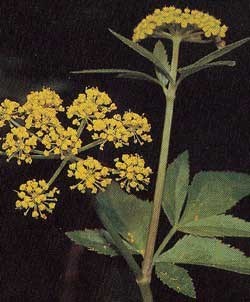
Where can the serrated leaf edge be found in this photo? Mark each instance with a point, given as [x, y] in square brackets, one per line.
[179, 292]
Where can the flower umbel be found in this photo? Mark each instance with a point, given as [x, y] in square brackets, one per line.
[138, 126]
[8, 111]
[120, 129]
[110, 130]
[41, 109]
[91, 173]
[19, 143]
[172, 20]
[131, 172]
[60, 141]
[34, 196]
[93, 104]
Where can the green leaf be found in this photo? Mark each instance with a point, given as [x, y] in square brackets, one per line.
[176, 186]
[129, 215]
[122, 73]
[160, 53]
[94, 240]
[138, 76]
[176, 278]
[207, 252]
[217, 226]
[213, 193]
[97, 240]
[145, 53]
[102, 70]
[193, 69]
[217, 53]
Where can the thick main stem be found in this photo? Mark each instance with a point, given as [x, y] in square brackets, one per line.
[145, 290]
[153, 228]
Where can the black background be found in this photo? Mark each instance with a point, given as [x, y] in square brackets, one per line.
[40, 42]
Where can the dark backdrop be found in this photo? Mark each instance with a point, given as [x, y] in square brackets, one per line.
[40, 42]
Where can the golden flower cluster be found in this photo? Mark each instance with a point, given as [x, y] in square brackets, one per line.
[60, 141]
[120, 129]
[36, 132]
[19, 143]
[93, 104]
[41, 108]
[131, 172]
[138, 126]
[8, 110]
[174, 19]
[34, 196]
[91, 175]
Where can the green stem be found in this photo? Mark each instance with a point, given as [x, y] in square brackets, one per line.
[145, 290]
[91, 145]
[81, 127]
[16, 124]
[58, 171]
[165, 242]
[37, 156]
[160, 181]
[38, 152]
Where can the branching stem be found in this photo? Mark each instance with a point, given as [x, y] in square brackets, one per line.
[165, 242]
[160, 181]
[58, 171]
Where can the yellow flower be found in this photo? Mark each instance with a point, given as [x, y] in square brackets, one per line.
[61, 141]
[120, 129]
[131, 172]
[19, 143]
[174, 20]
[91, 173]
[110, 130]
[138, 126]
[93, 104]
[34, 196]
[41, 109]
[8, 111]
